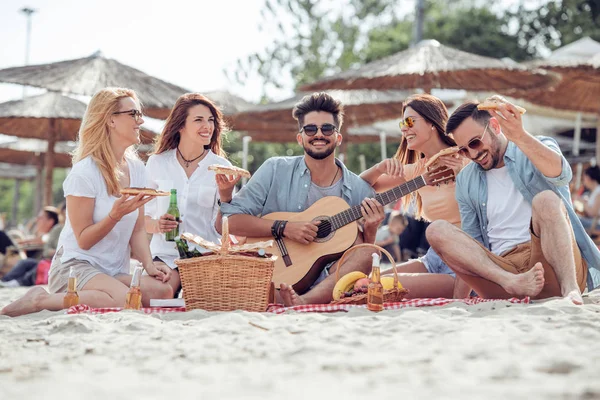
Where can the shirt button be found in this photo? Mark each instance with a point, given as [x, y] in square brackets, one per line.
[483, 204]
[305, 185]
[299, 207]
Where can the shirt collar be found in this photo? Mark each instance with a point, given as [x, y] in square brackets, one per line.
[345, 173]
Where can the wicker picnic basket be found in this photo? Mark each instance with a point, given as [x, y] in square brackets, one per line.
[224, 280]
[389, 296]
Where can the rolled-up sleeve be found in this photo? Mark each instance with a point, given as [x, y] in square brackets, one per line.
[470, 223]
[251, 198]
[566, 174]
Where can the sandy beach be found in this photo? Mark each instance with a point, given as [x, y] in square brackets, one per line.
[546, 350]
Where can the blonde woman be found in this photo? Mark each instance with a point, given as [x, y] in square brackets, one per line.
[102, 228]
[188, 144]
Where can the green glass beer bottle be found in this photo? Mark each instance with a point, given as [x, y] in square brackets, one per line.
[174, 211]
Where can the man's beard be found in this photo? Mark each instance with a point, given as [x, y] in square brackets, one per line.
[319, 155]
[494, 154]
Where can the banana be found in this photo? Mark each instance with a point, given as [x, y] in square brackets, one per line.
[388, 283]
[346, 283]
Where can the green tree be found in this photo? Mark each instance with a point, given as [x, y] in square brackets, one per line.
[312, 40]
[556, 23]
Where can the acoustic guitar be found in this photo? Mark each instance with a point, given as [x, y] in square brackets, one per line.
[338, 230]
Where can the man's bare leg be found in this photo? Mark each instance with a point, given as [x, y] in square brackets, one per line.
[359, 260]
[550, 224]
[464, 256]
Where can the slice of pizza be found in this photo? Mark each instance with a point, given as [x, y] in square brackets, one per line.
[491, 103]
[446, 152]
[134, 191]
[227, 170]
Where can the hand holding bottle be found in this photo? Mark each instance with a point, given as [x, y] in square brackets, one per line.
[167, 222]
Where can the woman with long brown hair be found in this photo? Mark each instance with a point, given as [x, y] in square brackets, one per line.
[188, 144]
[423, 135]
[103, 229]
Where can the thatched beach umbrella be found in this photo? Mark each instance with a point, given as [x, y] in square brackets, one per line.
[85, 76]
[361, 107]
[51, 117]
[229, 103]
[431, 65]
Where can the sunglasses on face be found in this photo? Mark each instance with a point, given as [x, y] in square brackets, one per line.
[136, 114]
[474, 144]
[312, 129]
[409, 122]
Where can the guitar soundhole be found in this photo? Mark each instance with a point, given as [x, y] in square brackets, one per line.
[324, 233]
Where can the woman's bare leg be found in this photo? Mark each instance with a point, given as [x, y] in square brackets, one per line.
[101, 291]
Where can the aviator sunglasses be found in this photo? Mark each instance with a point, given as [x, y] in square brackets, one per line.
[312, 129]
[409, 122]
[474, 144]
[136, 114]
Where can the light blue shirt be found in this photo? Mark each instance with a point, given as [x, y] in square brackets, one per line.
[281, 184]
[472, 192]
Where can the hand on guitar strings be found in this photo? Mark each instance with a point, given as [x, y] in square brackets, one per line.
[373, 214]
[302, 232]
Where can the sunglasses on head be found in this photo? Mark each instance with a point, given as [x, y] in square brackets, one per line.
[136, 114]
[409, 122]
[312, 129]
[474, 144]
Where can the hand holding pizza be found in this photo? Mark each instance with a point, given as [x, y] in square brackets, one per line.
[127, 204]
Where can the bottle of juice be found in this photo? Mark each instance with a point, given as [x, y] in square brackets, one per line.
[375, 293]
[174, 211]
[71, 297]
[133, 300]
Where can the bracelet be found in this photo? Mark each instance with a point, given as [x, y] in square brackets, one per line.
[281, 229]
[275, 229]
[113, 218]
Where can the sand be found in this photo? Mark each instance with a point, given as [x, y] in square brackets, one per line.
[548, 350]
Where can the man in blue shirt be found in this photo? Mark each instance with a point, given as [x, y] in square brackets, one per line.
[292, 184]
[514, 201]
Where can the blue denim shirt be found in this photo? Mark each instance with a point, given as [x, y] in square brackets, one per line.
[282, 183]
[472, 191]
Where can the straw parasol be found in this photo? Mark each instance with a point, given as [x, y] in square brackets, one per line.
[85, 76]
[429, 65]
[361, 107]
[578, 90]
[51, 117]
[229, 103]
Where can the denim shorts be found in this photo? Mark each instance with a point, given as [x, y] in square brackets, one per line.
[434, 263]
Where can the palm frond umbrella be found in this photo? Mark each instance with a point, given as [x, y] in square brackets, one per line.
[579, 88]
[85, 76]
[22, 159]
[361, 107]
[51, 117]
[229, 103]
[430, 65]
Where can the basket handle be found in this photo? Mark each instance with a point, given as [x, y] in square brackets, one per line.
[374, 246]
[225, 237]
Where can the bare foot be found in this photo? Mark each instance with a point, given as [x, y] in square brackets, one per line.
[575, 297]
[530, 283]
[289, 296]
[27, 304]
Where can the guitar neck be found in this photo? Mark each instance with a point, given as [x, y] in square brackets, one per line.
[354, 213]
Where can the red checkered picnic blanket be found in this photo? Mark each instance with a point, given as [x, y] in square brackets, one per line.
[279, 309]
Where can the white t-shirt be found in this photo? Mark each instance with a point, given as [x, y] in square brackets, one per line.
[196, 199]
[508, 213]
[111, 254]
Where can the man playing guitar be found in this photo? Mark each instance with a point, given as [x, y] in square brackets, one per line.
[287, 185]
